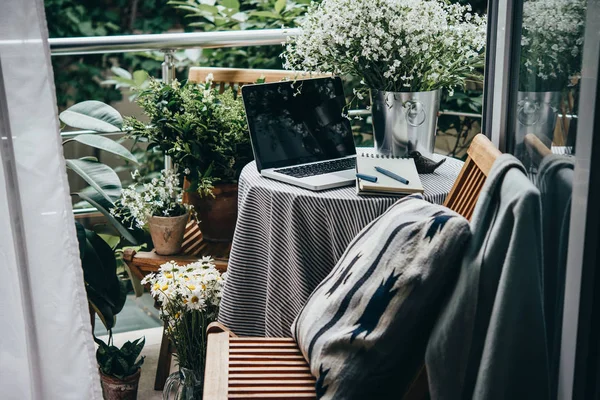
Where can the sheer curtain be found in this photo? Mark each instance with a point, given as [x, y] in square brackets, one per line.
[46, 347]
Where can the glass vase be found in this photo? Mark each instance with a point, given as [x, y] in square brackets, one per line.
[186, 384]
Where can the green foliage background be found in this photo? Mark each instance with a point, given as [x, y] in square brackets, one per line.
[79, 78]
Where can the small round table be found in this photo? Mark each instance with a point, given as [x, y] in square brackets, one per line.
[288, 239]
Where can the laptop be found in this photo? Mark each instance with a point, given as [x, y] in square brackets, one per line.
[298, 133]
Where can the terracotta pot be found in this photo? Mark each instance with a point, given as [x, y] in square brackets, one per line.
[167, 233]
[217, 215]
[117, 389]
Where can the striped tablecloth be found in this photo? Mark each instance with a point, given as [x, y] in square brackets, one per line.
[288, 239]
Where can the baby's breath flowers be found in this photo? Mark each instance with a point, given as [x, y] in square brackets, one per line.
[551, 43]
[189, 296]
[391, 45]
[159, 198]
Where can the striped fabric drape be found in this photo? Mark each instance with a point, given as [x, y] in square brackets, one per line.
[288, 239]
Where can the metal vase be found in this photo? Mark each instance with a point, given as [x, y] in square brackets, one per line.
[536, 113]
[405, 121]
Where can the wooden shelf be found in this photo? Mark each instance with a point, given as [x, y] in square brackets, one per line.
[193, 249]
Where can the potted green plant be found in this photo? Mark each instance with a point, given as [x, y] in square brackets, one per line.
[120, 368]
[156, 205]
[106, 292]
[404, 52]
[206, 135]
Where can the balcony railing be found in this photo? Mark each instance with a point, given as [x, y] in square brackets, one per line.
[169, 42]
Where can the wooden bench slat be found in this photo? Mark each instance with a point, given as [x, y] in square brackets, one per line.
[283, 357]
[270, 376]
[271, 389]
[266, 382]
[266, 396]
[269, 369]
[250, 363]
[260, 340]
[265, 350]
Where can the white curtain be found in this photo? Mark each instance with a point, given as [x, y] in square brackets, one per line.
[46, 347]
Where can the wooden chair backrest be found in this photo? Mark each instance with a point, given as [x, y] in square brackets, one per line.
[237, 77]
[464, 194]
[536, 148]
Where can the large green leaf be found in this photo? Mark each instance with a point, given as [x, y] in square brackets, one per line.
[105, 291]
[235, 4]
[93, 115]
[279, 6]
[106, 144]
[99, 176]
[97, 200]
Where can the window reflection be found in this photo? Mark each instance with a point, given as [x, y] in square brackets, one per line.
[549, 74]
[543, 136]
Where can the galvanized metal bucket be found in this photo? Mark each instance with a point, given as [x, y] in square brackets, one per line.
[536, 113]
[405, 121]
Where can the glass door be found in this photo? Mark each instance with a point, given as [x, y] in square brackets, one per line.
[541, 105]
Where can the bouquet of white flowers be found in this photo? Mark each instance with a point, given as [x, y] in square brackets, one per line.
[160, 198]
[551, 43]
[391, 45]
[189, 296]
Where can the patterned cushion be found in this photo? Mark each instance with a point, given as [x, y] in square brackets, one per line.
[365, 327]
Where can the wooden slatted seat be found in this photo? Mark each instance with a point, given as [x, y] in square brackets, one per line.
[273, 368]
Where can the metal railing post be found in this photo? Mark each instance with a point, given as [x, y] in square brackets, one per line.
[168, 74]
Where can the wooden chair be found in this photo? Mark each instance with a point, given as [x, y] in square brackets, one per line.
[237, 77]
[274, 368]
[536, 148]
[465, 192]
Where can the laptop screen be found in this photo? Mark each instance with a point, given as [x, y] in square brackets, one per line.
[297, 122]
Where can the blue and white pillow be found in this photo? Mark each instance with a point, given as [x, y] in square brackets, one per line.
[365, 327]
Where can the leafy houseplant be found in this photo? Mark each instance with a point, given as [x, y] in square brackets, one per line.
[119, 368]
[189, 296]
[206, 135]
[398, 49]
[106, 293]
[156, 205]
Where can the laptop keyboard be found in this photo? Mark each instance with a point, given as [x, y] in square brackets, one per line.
[321, 168]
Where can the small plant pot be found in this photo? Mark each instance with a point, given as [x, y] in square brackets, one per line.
[120, 389]
[167, 233]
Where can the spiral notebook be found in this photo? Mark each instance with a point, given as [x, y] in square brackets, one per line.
[367, 160]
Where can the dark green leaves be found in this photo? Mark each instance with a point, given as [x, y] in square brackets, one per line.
[105, 291]
[97, 200]
[119, 363]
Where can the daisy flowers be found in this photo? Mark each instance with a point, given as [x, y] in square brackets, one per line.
[189, 296]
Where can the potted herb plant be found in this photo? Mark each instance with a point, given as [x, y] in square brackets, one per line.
[189, 296]
[206, 135]
[119, 368]
[158, 206]
[403, 51]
